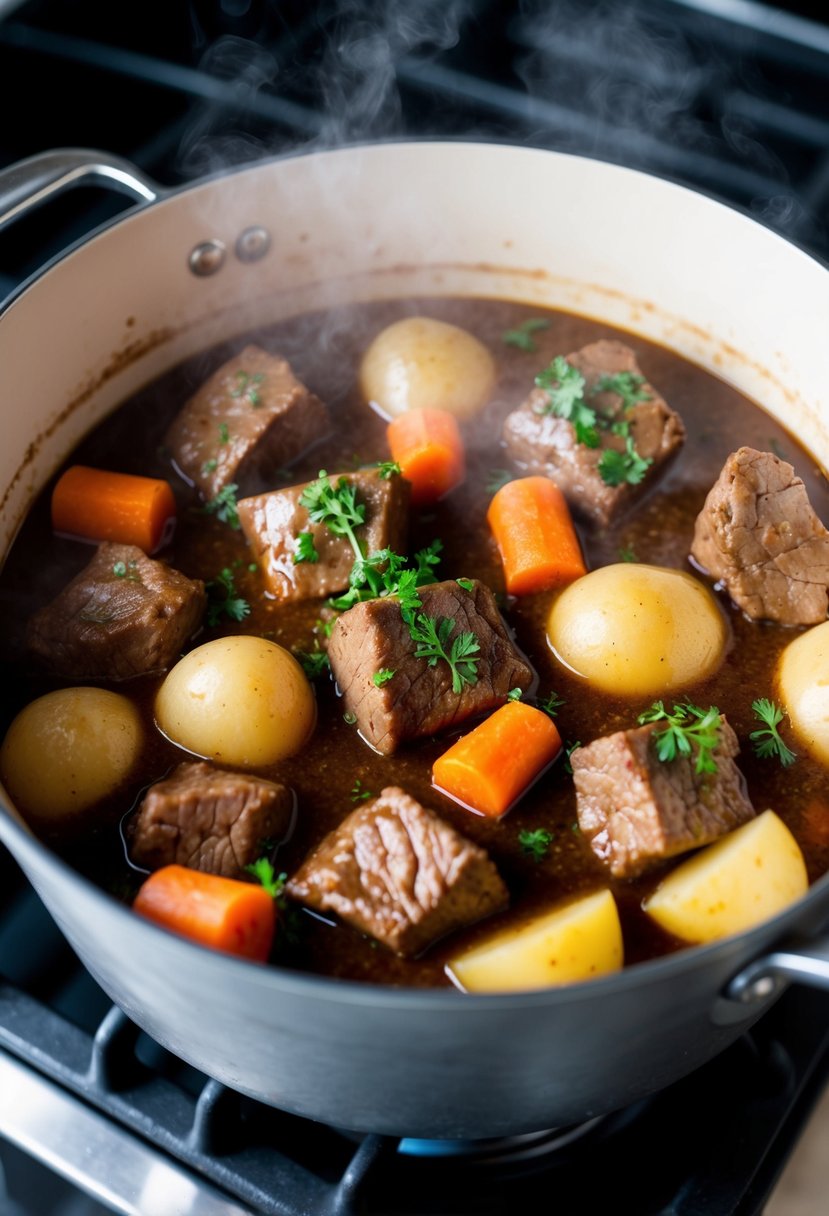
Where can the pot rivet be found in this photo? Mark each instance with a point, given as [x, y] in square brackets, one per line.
[207, 258]
[253, 244]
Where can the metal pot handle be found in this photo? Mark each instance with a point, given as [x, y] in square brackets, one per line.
[30, 182]
[758, 981]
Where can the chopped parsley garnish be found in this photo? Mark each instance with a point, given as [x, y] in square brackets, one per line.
[305, 550]
[522, 335]
[687, 730]
[537, 843]
[274, 884]
[466, 583]
[349, 717]
[388, 468]
[223, 506]
[497, 479]
[248, 386]
[222, 599]
[359, 793]
[564, 386]
[626, 385]
[253, 567]
[313, 662]
[551, 704]
[432, 637]
[336, 507]
[209, 467]
[628, 466]
[515, 694]
[386, 573]
[767, 741]
[128, 571]
[224, 433]
[382, 676]
[569, 748]
[626, 554]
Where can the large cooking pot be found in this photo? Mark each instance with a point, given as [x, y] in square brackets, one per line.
[210, 261]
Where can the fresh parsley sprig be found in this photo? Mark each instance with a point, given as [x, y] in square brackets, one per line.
[688, 730]
[336, 507]
[564, 386]
[224, 600]
[385, 573]
[767, 741]
[522, 336]
[628, 466]
[627, 385]
[432, 637]
[551, 704]
[313, 662]
[224, 506]
[388, 468]
[305, 550]
[273, 883]
[537, 843]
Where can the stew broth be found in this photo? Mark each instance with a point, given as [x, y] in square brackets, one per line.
[329, 774]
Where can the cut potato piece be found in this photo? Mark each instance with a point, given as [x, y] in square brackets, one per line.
[803, 676]
[743, 879]
[578, 941]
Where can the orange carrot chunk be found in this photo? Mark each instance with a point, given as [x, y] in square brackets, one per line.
[491, 767]
[427, 445]
[223, 913]
[95, 504]
[531, 523]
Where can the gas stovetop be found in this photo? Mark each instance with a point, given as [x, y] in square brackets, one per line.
[727, 96]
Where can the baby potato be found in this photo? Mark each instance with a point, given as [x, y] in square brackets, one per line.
[420, 363]
[637, 630]
[69, 749]
[743, 879]
[237, 700]
[803, 678]
[578, 941]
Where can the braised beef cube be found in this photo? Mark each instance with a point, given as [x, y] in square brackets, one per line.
[210, 820]
[396, 871]
[758, 534]
[542, 443]
[637, 811]
[372, 639]
[273, 523]
[124, 615]
[249, 419]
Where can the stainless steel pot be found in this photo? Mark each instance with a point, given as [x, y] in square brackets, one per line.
[211, 260]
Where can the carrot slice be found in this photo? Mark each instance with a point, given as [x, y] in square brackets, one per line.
[488, 769]
[427, 445]
[531, 523]
[98, 505]
[238, 917]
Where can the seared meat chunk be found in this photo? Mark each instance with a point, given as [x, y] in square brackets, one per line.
[758, 534]
[273, 522]
[418, 699]
[124, 615]
[251, 417]
[637, 811]
[210, 820]
[396, 871]
[543, 443]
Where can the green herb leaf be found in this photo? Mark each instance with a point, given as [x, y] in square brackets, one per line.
[388, 468]
[274, 884]
[521, 336]
[466, 583]
[537, 843]
[305, 550]
[209, 467]
[687, 730]
[767, 741]
[224, 433]
[128, 571]
[223, 506]
[551, 704]
[627, 385]
[515, 694]
[222, 599]
[349, 717]
[385, 573]
[359, 793]
[432, 637]
[564, 386]
[626, 554]
[382, 676]
[336, 507]
[569, 748]
[497, 479]
[313, 662]
[618, 467]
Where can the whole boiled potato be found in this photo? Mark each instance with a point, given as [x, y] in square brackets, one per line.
[69, 749]
[577, 941]
[743, 879]
[637, 630]
[420, 363]
[803, 678]
[237, 700]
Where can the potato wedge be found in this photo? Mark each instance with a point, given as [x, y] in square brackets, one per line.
[578, 941]
[738, 882]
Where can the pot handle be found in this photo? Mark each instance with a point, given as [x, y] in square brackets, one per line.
[30, 182]
[808, 964]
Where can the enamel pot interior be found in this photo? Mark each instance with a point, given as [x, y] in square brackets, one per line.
[376, 222]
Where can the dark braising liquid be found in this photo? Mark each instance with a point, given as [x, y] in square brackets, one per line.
[325, 351]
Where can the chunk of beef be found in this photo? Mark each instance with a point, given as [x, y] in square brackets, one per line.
[758, 534]
[272, 522]
[637, 810]
[542, 443]
[396, 871]
[419, 699]
[210, 820]
[124, 615]
[250, 418]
